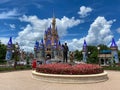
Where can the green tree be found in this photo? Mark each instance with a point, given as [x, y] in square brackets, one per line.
[119, 55]
[78, 55]
[103, 47]
[2, 52]
[92, 54]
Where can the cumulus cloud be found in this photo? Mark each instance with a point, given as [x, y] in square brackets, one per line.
[98, 33]
[4, 40]
[84, 11]
[12, 26]
[118, 43]
[64, 23]
[9, 14]
[118, 30]
[36, 28]
[75, 44]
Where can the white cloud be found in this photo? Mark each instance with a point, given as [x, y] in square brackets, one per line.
[118, 30]
[84, 11]
[64, 23]
[98, 33]
[75, 44]
[4, 40]
[39, 6]
[12, 26]
[118, 43]
[36, 27]
[9, 14]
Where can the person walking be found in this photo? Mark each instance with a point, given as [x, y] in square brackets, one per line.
[65, 52]
[34, 64]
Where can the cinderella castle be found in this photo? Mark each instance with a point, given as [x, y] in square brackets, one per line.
[50, 45]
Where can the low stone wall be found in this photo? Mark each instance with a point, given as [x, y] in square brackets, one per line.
[94, 78]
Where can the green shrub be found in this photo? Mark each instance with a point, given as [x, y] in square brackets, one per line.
[6, 69]
[112, 68]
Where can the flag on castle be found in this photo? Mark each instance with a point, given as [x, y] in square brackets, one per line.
[9, 50]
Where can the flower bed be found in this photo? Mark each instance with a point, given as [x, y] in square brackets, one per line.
[66, 69]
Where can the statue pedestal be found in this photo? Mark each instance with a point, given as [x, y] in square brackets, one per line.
[58, 78]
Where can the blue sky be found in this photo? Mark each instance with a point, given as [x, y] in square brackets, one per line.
[26, 20]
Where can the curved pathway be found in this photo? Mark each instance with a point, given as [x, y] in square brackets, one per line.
[22, 80]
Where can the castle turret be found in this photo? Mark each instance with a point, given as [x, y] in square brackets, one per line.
[9, 49]
[114, 49]
[41, 52]
[36, 49]
[84, 51]
[53, 23]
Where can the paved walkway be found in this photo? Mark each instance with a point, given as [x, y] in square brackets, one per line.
[22, 80]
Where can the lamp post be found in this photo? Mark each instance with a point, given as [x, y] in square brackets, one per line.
[16, 52]
[98, 54]
[89, 54]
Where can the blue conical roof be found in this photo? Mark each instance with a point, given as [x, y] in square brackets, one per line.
[36, 45]
[41, 41]
[9, 45]
[59, 43]
[10, 41]
[49, 28]
[45, 32]
[113, 44]
[84, 46]
[41, 44]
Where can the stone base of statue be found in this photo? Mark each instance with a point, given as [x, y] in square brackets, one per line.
[58, 78]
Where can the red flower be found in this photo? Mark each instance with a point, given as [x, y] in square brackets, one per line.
[78, 69]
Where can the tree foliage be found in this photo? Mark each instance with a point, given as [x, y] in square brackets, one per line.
[92, 53]
[78, 55]
[2, 52]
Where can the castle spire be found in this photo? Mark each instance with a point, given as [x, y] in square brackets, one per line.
[84, 51]
[113, 44]
[85, 46]
[114, 49]
[53, 20]
[53, 13]
[36, 46]
[9, 45]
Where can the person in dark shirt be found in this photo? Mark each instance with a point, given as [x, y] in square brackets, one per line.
[65, 52]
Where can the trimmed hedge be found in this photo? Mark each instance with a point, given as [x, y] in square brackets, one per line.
[115, 68]
[7, 69]
[67, 69]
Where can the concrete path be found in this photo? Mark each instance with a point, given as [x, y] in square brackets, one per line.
[22, 80]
